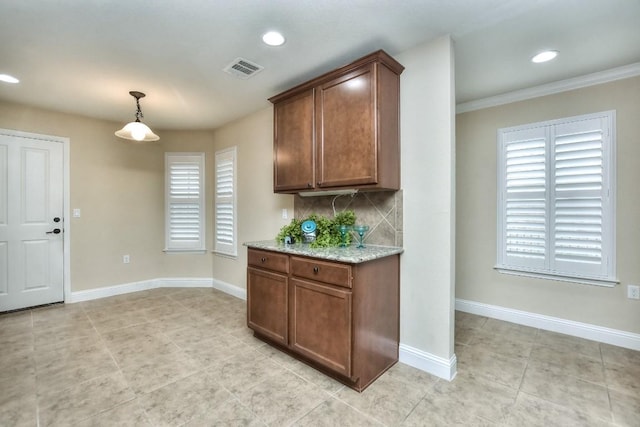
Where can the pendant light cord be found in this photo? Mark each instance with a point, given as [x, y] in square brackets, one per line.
[139, 114]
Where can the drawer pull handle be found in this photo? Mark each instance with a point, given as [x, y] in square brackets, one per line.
[316, 269]
[263, 259]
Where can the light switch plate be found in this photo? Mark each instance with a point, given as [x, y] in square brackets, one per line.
[76, 213]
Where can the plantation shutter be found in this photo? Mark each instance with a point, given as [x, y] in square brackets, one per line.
[185, 211]
[556, 187]
[225, 202]
[580, 194]
[524, 198]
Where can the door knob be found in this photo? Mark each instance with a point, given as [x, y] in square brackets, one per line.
[56, 219]
[54, 231]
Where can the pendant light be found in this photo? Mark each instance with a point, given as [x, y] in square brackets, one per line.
[137, 131]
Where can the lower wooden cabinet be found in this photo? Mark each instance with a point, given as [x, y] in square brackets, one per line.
[268, 294]
[341, 318]
[321, 324]
[267, 300]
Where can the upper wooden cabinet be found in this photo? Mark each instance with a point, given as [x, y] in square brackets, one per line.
[340, 130]
[294, 167]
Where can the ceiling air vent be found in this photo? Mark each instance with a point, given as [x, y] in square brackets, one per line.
[243, 68]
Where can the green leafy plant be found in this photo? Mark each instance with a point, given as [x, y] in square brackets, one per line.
[345, 218]
[327, 233]
[292, 230]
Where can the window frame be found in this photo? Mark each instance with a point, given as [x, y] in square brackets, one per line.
[229, 201]
[192, 159]
[551, 267]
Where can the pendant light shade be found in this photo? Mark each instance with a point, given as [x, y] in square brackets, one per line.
[137, 131]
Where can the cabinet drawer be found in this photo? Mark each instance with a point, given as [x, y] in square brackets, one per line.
[322, 271]
[269, 260]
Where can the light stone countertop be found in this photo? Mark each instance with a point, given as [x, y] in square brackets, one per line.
[350, 254]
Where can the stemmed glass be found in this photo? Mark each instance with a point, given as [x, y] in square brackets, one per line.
[361, 229]
[344, 230]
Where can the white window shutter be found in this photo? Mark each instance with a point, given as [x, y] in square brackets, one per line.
[556, 207]
[524, 224]
[185, 207]
[225, 202]
[580, 196]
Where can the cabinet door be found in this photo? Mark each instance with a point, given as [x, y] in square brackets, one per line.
[294, 160]
[346, 130]
[321, 324]
[267, 304]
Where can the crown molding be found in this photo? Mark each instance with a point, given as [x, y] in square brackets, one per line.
[601, 77]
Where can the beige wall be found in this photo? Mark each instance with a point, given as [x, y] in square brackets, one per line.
[116, 187]
[476, 204]
[259, 209]
[176, 265]
[119, 187]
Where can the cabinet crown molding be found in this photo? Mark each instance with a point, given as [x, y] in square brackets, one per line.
[379, 56]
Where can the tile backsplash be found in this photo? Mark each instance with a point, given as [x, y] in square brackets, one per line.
[380, 210]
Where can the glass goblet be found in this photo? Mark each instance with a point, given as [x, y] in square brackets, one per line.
[361, 230]
[344, 230]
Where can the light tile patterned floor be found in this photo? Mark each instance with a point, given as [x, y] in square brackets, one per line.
[173, 357]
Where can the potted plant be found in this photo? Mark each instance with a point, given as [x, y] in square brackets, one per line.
[327, 232]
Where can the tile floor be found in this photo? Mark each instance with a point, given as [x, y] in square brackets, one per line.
[185, 357]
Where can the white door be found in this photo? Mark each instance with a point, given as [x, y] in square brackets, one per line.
[31, 221]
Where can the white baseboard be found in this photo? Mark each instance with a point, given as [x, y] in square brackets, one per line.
[569, 327]
[230, 289]
[435, 365]
[173, 282]
[109, 291]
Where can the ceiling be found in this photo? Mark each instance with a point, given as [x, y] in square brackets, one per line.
[84, 56]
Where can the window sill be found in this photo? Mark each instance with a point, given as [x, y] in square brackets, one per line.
[184, 251]
[549, 276]
[225, 255]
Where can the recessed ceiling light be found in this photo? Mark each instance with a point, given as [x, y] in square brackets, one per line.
[8, 79]
[273, 38]
[545, 56]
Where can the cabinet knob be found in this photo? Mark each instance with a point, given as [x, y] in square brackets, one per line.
[316, 269]
[263, 259]
[309, 185]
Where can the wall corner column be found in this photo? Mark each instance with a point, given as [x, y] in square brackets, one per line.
[427, 301]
